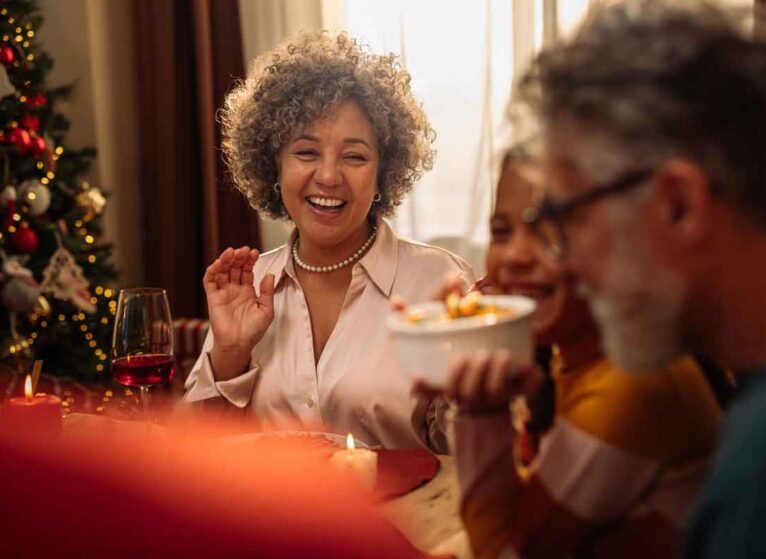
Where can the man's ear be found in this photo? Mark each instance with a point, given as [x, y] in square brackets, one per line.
[684, 201]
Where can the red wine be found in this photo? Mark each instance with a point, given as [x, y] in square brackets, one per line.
[138, 370]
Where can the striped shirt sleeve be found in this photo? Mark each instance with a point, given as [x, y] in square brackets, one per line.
[578, 483]
[617, 472]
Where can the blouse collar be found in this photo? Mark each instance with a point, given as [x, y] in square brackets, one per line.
[379, 263]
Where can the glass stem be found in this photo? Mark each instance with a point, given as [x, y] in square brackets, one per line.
[145, 398]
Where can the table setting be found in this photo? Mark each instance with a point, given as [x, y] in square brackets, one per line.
[414, 490]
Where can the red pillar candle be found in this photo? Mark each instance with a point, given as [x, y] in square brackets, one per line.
[31, 416]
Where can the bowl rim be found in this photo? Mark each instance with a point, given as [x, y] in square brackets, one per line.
[524, 306]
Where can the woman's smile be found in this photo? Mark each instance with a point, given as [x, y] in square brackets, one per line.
[538, 291]
[326, 207]
[326, 203]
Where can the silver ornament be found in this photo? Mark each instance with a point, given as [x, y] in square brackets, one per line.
[36, 196]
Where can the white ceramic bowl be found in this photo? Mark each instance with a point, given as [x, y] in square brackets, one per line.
[426, 349]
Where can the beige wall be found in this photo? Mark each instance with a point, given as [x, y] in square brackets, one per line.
[90, 43]
[64, 35]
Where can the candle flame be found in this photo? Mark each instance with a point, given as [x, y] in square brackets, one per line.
[28, 387]
[350, 442]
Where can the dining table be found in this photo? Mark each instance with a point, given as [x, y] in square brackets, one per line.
[429, 516]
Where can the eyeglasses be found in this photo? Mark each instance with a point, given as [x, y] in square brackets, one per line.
[549, 219]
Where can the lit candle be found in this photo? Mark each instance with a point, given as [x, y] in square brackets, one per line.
[359, 463]
[31, 416]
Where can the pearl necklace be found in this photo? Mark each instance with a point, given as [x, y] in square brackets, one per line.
[332, 267]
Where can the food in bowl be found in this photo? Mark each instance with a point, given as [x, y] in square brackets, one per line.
[427, 337]
[456, 307]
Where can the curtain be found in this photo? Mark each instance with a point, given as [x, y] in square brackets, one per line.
[113, 72]
[189, 54]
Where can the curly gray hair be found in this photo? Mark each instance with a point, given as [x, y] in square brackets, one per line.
[645, 80]
[299, 82]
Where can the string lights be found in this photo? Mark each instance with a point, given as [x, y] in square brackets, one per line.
[18, 35]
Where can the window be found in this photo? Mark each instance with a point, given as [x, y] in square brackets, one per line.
[462, 57]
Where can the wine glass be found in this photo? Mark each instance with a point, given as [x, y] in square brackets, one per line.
[142, 345]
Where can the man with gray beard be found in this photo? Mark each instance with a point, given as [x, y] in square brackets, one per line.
[654, 121]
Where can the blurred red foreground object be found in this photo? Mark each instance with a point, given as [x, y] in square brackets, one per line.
[181, 495]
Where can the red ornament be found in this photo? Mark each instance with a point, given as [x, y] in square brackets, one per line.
[7, 56]
[31, 122]
[37, 100]
[25, 239]
[21, 139]
[38, 147]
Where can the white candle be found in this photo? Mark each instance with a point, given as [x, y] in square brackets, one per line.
[359, 463]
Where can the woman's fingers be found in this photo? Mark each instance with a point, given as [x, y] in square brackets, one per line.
[226, 258]
[222, 277]
[230, 267]
[247, 267]
[266, 297]
[238, 261]
[451, 284]
[216, 275]
[209, 279]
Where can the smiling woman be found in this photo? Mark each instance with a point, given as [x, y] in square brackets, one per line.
[328, 136]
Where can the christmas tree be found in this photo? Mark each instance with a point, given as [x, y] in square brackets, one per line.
[55, 303]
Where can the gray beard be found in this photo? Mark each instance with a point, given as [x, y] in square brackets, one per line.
[638, 307]
[638, 334]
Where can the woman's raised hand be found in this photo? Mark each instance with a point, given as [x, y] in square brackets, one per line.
[238, 318]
